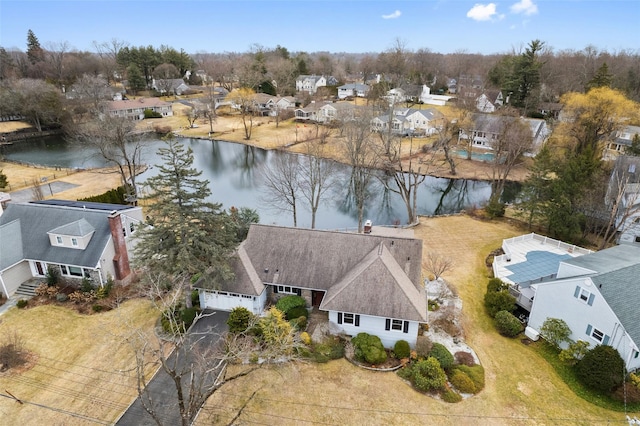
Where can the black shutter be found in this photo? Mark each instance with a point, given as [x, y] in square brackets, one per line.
[405, 327]
[339, 317]
[275, 289]
[357, 320]
[299, 291]
[387, 325]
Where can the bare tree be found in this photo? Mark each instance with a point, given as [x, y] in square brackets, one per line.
[242, 100]
[436, 264]
[55, 57]
[514, 139]
[119, 144]
[360, 150]
[280, 181]
[90, 93]
[108, 52]
[623, 201]
[315, 178]
[192, 115]
[164, 75]
[36, 189]
[446, 139]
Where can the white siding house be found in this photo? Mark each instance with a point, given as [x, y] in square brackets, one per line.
[366, 283]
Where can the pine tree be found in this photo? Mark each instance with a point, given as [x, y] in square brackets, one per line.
[602, 78]
[188, 235]
[3, 180]
[34, 50]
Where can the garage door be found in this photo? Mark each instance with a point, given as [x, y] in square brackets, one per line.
[225, 301]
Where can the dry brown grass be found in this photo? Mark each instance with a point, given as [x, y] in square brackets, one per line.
[521, 389]
[83, 364]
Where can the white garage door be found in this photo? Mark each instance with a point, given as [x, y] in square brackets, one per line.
[225, 301]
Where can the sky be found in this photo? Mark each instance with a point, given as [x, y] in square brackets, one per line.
[352, 26]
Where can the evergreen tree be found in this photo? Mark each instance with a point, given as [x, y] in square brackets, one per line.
[602, 78]
[524, 78]
[3, 180]
[34, 50]
[135, 79]
[187, 234]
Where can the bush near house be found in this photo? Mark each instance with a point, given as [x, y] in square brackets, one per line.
[402, 349]
[555, 331]
[423, 346]
[601, 369]
[442, 354]
[286, 303]
[462, 382]
[475, 373]
[507, 324]
[497, 298]
[297, 312]
[239, 319]
[368, 348]
[464, 358]
[425, 375]
[149, 113]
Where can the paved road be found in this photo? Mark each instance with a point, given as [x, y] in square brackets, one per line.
[162, 388]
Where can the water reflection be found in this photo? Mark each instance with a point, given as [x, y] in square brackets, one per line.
[232, 169]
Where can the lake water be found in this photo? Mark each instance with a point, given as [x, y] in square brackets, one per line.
[232, 170]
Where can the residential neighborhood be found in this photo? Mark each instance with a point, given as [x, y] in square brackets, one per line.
[394, 237]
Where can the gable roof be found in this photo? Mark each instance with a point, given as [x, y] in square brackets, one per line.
[616, 272]
[10, 235]
[365, 274]
[36, 219]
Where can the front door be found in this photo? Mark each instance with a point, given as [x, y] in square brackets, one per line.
[316, 298]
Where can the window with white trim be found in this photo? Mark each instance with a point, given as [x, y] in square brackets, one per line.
[396, 325]
[348, 318]
[584, 295]
[58, 239]
[74, 271]
[74, 242]
[597, 335]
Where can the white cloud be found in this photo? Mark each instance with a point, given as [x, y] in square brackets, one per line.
[525, 6]
[483, 12]
[393, 15]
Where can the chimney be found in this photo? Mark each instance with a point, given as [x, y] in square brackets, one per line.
[121, 257]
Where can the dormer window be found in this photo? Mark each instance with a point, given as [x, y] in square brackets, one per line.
[59, 239]
[74, 242]
[76, 235]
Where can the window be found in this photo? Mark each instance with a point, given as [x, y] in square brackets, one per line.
[397, 325]
[635, 354]
[75, 271]
[63, 269]
[584, 295]
[74, 242]
[59, 239]
[347, 318]
[597, 335]
[287, 290]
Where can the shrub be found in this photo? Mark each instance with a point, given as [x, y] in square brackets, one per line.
[188, 315]
[451, 396]
[297, 312]
[368, 348]
[286, 303]
[442, 354]
[462, 382]
[507, 324]
[113, 196]
[299, 323]
[52, 276]
[423, 346]
[12, 352]
[427, 375]
[464, 358]
[475, 373]
[495, 208]
[195, 298]
[61, 297]
[555, 331]
[305, 338]
[239, 319]
[601, 369]
[402, 349]
[22, 303]
[103, 291]
[498, 301]
[331, 348]
[574, 353]
[495, 285]
[97, 308]
[86, 285]
[162, 130]
[149, 113]
[432, 305]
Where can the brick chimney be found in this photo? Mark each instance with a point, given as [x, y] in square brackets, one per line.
[121, 257]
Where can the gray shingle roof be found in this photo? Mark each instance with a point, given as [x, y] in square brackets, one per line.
[10, 243]
[365, 274]
[79, 228]
[617, 276]
[37, 219]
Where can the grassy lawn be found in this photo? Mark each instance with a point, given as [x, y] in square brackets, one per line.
[82, 368]
[522, 388]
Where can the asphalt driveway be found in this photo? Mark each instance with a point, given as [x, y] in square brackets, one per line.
[161, 387]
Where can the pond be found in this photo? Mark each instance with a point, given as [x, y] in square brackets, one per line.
[232, 170]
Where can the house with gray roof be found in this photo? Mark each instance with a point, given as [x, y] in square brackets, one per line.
[79, 239]
[353, 90]
[410, 121]
[367, 283]
[597, 296]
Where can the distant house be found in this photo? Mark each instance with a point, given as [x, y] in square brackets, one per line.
[414, 93]
[308, 113]
[78, 239]
[487, 128]
[134, 109]
[624, 185]
[365, 282]
[410, 121]
[169, 86]
[623, 140]
[336, 111]
[550, 109]
[489, 101]
[310, 83]
[353, 90]
[594, 293]
[286, 102]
